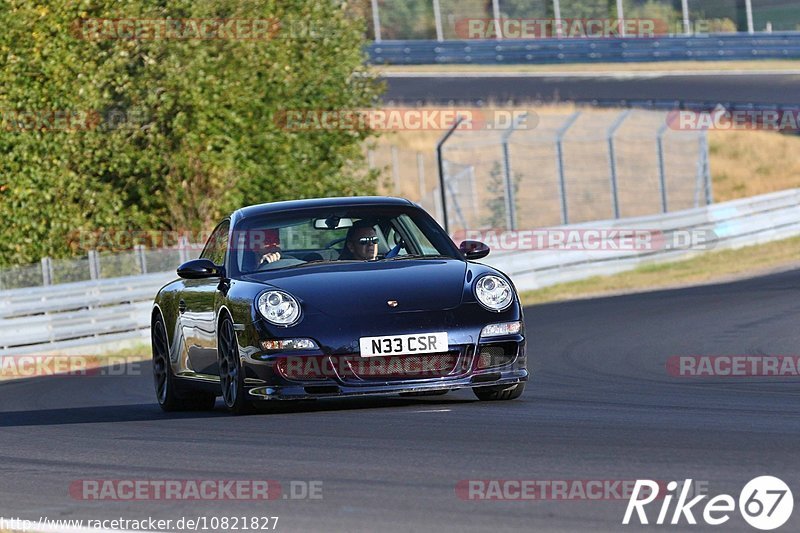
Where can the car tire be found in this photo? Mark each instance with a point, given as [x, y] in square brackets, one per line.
[231, 377]
[169, 395]
[500, 392]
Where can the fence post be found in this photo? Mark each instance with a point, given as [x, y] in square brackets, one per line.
[510, 196]
[687, 24]
[440, 163]
[662, 178]
[371, 159]
[94, 265]
[395, 170]
[749, 8]
[437, 16]
[557, 17]
[376, 21]
[437, 205]
[47, 271]
[141, 258]
[183, 252]
[621, 18]
[562, 183]
[421, 175]
[497, 23]
[612, 157]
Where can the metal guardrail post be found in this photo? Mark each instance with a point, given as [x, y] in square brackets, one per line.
[510, 196]
[706, 170]
[612, 157]
[662, 177]
[94, 265]
[562, 182]
[47, 271]
[376, 21]
[440, 163]
[141, 258]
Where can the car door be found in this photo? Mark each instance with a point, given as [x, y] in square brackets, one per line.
[198, 314]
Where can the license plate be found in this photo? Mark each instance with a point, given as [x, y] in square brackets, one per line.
[403, 344]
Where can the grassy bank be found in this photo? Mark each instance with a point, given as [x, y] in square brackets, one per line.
[710, 267]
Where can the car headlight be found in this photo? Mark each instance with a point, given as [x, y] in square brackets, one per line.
[279, 308]
[494, 293]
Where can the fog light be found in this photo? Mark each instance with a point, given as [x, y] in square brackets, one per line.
[505, 328]
[289, 344]
[495, 355]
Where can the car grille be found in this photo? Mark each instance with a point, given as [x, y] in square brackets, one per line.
[398, 367]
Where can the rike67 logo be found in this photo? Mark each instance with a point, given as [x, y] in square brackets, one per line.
[765, 503]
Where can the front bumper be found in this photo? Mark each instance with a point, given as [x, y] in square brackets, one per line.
[340, 391]
[264, 380]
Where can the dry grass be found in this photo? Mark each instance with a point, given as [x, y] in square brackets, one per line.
[669, 66]
[748, 163]
[710, 267]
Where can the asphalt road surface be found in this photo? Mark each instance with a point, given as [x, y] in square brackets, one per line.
[771, 88]
[600, 406]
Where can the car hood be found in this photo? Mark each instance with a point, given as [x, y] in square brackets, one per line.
[364, 288]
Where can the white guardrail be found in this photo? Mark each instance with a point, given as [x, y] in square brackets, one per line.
[733, 224]
[44, 319]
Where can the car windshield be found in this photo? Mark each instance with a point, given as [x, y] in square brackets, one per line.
[370, 233]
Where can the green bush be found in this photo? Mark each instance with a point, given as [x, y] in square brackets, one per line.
[199, 135]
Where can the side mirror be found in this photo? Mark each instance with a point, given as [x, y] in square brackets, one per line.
[200, 269]
[473, 249]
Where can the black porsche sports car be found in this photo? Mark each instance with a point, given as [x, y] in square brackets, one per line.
[330, 298]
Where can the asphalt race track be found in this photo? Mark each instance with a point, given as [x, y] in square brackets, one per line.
[600, 407]
[769, 88]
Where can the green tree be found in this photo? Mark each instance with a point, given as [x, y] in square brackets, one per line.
[201, 132]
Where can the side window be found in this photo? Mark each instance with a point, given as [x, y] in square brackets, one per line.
[425, 246]
[217, 244]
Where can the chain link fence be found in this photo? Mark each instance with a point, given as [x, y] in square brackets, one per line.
[570, 168]
[97, 265]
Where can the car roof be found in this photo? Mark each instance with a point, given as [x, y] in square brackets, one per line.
[311, 203]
